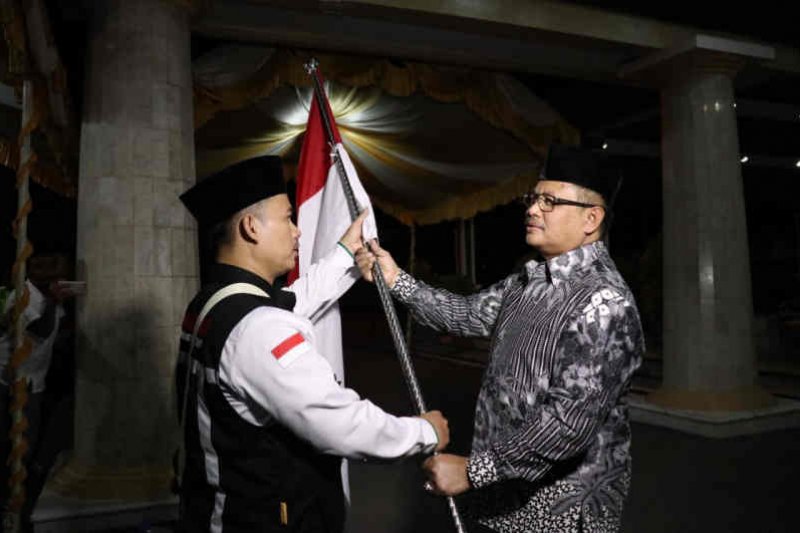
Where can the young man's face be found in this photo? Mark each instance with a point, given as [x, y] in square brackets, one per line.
[560, 230]
[278, 248]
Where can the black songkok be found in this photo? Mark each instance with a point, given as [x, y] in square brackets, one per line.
[219, 196]
[580, 166]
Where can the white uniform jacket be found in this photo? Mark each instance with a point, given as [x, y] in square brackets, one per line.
[272, 369]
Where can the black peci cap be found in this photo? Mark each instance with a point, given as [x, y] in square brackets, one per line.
[223, 194]
[581, 166]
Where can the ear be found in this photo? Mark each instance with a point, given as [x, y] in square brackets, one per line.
[248, 228]
[593, 220]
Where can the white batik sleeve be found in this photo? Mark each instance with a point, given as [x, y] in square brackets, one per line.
[467, 316]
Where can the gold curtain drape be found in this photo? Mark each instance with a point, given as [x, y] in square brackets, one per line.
[57, 156]
[356, 83]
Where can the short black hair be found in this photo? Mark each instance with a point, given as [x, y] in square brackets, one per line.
[219, 235]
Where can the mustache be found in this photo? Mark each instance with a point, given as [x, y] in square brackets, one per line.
[529, 219]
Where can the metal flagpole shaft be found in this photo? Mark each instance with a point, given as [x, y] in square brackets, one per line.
[383, 291]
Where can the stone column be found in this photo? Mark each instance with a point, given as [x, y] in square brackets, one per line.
[709, 356]
[136, 248]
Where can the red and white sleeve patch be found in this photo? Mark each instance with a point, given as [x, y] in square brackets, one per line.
[290, 349]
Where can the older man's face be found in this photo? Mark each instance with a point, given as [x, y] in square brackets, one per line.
[560, 230]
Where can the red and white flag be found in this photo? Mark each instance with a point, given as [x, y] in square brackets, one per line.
[323, 217]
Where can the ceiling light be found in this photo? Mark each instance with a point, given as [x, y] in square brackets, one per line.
[605, 145]
[745, 159]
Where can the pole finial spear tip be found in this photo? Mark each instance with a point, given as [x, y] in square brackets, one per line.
[311, 66]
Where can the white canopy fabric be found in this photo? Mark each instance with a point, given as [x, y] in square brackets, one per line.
[430, 143]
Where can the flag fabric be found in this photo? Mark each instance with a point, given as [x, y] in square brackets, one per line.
[323, 217]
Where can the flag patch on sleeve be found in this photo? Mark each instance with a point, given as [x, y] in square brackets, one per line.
[289, 349]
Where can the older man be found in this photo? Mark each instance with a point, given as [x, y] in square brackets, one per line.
[265, 420]
[550, 450]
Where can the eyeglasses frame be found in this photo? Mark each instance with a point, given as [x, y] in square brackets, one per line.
[528, 199]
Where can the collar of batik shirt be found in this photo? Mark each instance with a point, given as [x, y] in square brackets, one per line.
[559, 269]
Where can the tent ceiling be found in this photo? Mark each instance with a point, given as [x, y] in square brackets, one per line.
[430, 143]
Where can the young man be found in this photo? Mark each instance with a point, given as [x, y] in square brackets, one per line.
[550, 450]
[41, 319]
[266, 422]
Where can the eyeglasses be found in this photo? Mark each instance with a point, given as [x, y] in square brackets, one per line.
[548, 202]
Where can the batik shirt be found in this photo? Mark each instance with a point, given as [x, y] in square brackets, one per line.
[550, 450]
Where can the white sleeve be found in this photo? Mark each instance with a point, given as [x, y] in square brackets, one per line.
[323, 283]
[269, 360]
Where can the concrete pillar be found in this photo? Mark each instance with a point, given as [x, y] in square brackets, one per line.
[136, 248]
[708, 353]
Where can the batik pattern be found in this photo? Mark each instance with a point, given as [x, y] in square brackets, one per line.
[552, 435]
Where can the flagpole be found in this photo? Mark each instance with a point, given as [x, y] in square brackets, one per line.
[312, 68]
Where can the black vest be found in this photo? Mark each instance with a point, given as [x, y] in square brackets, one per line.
[271, 480]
